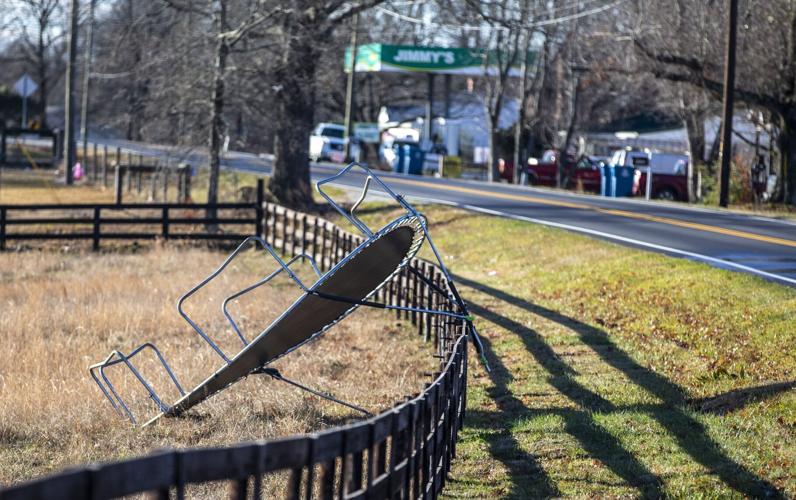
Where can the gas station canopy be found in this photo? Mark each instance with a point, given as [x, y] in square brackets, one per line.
[378, 57]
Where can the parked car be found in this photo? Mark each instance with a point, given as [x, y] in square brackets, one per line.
[327, 143]
[669, 173]
[578, 173]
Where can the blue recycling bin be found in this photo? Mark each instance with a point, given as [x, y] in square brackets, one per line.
[606, 175]
[416, 159]
[400, 161]
[409, 158]
[622, 181]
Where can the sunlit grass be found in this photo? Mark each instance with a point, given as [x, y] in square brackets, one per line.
[601, 355]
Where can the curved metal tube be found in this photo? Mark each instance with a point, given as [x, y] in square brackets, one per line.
[215, 273]
[453, 295]
[121, 358]
[256, 285]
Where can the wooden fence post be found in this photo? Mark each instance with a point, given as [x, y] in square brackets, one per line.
[258, 209]
[96, 230]
[165, 223]
[188, 183]
[265, 223]
[239, 489]
[128, 172]
[327, 479]
[105, 165]
[304, 235]
[153, 183]
[118, 182]
[179, 174]
[94, 164]
[315, 239]
[2, 228]
[293, 490]
[293, 231]
[353, 472]
[166, 174]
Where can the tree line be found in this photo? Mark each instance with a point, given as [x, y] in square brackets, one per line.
[259, 74]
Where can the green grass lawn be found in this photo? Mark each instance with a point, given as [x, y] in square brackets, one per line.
[604, 362]
[602, 359]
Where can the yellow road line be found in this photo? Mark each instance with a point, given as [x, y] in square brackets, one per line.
[620, 213]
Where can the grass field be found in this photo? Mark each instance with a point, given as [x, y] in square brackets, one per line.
[44, 186]
[64, 311]
[614, 370]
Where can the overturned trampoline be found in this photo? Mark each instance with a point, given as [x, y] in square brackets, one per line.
[351, 283]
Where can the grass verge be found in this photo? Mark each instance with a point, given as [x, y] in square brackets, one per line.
[607, 366]
[603, 360]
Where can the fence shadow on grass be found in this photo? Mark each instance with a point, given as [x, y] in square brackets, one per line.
[578, 423]
[690, 434]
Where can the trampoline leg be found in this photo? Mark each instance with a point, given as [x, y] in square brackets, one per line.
[274, 374]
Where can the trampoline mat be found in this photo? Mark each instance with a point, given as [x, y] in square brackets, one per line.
[366, 271]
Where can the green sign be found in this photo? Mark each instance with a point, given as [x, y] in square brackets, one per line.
[367, 132]
[377, 57]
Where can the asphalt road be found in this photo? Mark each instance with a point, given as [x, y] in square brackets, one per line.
[762, 246]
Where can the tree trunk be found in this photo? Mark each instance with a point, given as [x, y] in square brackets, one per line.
[492, 158]
[42, 74]
[562, 179]
[695, 126]
[695, 130]
[788, 152]
[295, 112]
[217, 108]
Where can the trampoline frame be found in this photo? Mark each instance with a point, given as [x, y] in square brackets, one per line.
[411, 217]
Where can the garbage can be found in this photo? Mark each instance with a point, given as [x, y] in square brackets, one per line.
[606, 173]
[409, 158]
[417, 158]
[401, 158]
[622, 181]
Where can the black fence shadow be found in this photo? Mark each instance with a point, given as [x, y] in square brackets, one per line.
[578, 423]
[738, 398]
[671, 414]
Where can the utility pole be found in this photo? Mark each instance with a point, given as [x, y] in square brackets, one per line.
[69, 105]
[87, 75]
[350, 93]
[729, 98]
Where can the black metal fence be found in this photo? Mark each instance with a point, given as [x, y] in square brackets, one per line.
[404, 452]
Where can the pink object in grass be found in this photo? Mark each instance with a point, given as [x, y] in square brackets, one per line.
[78, 171]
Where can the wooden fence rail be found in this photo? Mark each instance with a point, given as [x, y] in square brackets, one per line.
[404, 452]
[86, 221]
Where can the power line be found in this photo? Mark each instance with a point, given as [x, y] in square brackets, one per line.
[546, 22]
[572, 17]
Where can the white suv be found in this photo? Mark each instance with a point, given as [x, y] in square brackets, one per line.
[327, 143]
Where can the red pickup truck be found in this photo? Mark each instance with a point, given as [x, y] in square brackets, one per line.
[669, 173]
[582, 173]
[669, 181]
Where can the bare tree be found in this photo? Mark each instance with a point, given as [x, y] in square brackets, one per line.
[39, 24]
[767, 59]
[300, 29]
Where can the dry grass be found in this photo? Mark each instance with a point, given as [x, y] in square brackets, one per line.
[61, 312]
[44, 186]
